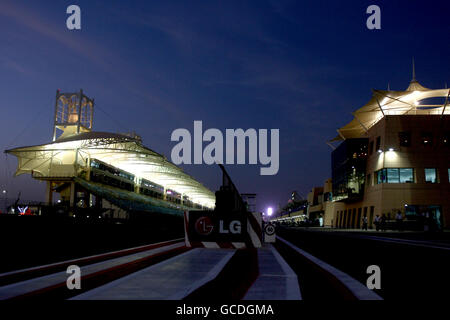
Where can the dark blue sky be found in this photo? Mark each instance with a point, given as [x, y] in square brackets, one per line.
[155, 66]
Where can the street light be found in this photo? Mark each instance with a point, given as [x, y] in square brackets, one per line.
[269, 211]
[4, 195]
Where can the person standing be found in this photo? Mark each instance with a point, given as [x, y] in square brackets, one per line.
[399, 220]
[426, 222]
[383, 222]
[377, 222]
[364, 223]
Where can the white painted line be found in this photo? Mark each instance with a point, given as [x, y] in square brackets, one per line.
[112, 284]
[212, 274]
[415, 243]
[360, 291]
[82, 258]
[30, 285]
[292, 287]
[238, 245]
[211, 245]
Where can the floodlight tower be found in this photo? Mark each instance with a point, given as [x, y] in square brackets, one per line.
[74, 113]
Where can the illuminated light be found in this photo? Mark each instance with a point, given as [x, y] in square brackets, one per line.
[22, 210]
[391, 155]
[269, 211]
[4, 191]
[416, 103]
[406, 205]
[380, 151]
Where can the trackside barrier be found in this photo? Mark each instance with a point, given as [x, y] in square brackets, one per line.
[209, 229]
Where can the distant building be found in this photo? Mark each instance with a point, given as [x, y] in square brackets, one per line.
[395, 156]
[295, 196]
[315, 203]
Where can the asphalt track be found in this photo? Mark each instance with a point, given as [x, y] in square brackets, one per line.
[412, 266]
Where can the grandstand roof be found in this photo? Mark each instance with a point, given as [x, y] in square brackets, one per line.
[59, 158]
[412, 101]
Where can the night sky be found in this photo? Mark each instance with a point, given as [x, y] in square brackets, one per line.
[155, 66]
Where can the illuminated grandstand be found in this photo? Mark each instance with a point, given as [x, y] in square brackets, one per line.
[82, 164]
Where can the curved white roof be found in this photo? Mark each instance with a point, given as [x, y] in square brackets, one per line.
[66, 155]
[388, 102]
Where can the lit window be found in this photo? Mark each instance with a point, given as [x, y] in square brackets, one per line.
[392, 175]
[381, 176]
[395, 175]
[430, 175]
[406, 175]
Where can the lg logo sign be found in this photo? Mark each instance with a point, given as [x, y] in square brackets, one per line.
[234, 227]
[205, 226]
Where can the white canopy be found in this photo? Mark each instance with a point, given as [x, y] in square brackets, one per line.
[388, 102]
[66, 156]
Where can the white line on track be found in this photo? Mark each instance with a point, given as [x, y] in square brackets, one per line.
[360, 291]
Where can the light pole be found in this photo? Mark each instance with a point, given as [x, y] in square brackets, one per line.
[4, 196]
[269, 213]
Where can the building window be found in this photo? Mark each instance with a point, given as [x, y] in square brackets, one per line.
[448, 172]
[395, 175]
[430, 175]
[427, 138]
[406, 175]
[404, 139]
[370, 147]
[381, 176]
[378, 145]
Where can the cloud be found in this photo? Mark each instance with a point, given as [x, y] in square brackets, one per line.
[117, 68]
[34, 22]
[15, 66]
